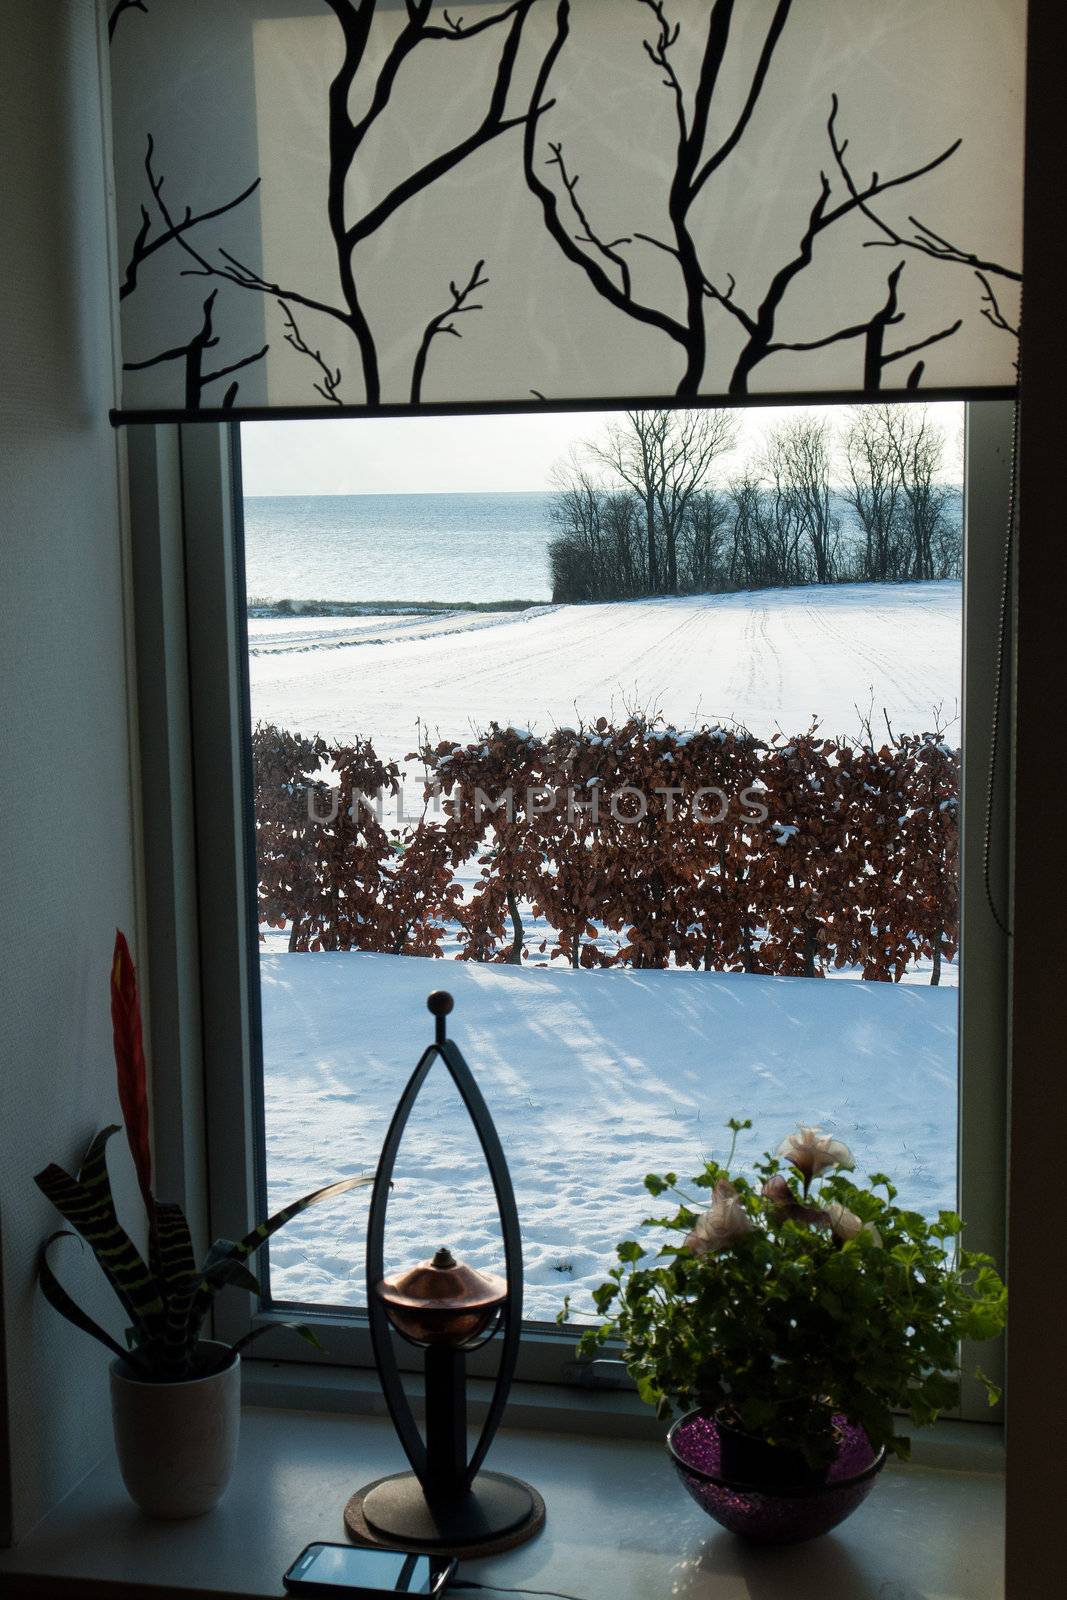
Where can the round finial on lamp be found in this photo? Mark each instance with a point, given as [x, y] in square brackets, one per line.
[440, 1002]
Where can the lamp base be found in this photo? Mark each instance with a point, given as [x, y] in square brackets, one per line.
[496, 1514]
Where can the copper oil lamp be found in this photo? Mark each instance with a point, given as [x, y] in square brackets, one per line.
[445, 1308]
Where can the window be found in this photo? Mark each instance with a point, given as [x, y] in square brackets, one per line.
[337, 1117]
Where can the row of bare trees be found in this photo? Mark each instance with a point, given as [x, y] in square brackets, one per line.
[648, 510]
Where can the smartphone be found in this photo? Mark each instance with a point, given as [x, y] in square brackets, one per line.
[359, 1573]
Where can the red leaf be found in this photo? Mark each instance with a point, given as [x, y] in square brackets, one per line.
[130, 1063]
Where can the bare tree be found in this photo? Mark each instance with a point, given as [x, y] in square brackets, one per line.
[629, 454]
[665, 458]
[576, 554]
[919, 447]
[687, 445]
[896, 464]
[779, 527]
[873, 492]
[802, 450]
[745, 568]
[642, 504]
[597, 553]
[704, 542]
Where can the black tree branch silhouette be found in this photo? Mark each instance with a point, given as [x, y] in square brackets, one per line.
[346, 138]
[760, 326]
[991, 308]
[926, 241]
[694, 165]
[876, 358]
[604, 283]
[608, 272]
[442, 323]
[454, 28]
[331, 376]
[145, 246]
[609, 249]
[116, 13]
[192, 354]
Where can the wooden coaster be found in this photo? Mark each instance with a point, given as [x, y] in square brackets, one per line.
[360, 1530]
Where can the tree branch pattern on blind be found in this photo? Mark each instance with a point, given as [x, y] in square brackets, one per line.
[393, 205]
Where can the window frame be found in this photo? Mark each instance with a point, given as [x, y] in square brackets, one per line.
[202, 1000]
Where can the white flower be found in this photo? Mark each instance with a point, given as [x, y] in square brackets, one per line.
[811, 1152]
[725, 1220]
[844, 1224]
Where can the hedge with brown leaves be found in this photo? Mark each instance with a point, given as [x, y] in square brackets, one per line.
[636, 844]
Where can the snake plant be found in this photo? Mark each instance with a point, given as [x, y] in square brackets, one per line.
[165, 1294]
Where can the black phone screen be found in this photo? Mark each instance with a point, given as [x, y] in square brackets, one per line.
[373, 1571]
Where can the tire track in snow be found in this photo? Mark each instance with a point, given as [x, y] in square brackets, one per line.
[762, 658]
[906, 684]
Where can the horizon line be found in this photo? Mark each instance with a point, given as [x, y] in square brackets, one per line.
[436, 494]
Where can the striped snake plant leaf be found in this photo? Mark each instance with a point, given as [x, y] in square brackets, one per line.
[306, 1333]
[221, 1268]
[178, 1280]
[58, 1297]
[87, 1204]
[259, 1235]
[178, 1273]
[221, 1272]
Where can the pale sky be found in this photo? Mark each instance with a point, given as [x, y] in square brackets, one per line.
[442, 455]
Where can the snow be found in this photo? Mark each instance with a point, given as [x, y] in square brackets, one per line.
[770, 659]
[593, 1079]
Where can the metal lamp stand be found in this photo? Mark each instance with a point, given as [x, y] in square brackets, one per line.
[446, 1502]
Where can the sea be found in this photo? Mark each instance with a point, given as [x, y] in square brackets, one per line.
[451, 548]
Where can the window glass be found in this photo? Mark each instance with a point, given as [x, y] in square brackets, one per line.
[638, 733]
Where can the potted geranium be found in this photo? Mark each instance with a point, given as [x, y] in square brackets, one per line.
[794, 1318]
[175, 1395]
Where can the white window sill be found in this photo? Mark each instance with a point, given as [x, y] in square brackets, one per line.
[620, 1526]
[591, 1413]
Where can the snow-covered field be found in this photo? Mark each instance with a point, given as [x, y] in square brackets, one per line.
[773, 658]
[593, 1079]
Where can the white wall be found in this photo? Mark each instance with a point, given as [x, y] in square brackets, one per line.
[66, 852]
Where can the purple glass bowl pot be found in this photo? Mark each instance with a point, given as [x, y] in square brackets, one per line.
[780, 1513]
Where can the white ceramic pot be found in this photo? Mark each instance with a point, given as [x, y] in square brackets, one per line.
[177, 1442]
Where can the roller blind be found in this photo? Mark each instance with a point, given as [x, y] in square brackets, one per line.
[341, 205]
